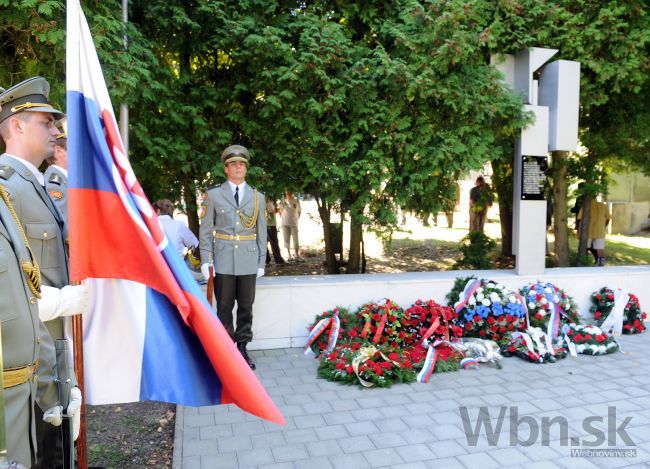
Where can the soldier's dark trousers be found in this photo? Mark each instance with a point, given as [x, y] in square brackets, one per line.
[49, 441]
[272, 234]
[239, 288]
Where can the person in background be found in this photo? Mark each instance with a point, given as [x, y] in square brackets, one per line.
[480, 200]
[176, 231]
[272, 232]
[597, 229]
[289, 214]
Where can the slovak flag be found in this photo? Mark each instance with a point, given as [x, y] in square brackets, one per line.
[150, 334]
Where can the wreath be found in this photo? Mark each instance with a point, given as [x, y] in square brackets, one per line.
[321, 332]
[633, 317]
[487, 310]
[367, 365]
[591, 340]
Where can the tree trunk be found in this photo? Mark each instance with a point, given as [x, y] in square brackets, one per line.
[189, 195]
[354, 255]
[502, 180]
[560, 225]
[583, 232]
[330, 258]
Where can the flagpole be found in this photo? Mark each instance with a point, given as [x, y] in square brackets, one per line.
[124, 109]
[77, 334]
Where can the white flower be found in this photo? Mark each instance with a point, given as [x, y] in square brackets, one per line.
[602, 349]
[486, 302]
[544, 301]
[548, 290]
[512, 299]
[472, 300]
[491, 285]
[532, 305]
[479, 290]
[580, 348]
[611, 345]
[567, 305]
[494, 296]
[556, 299]
[532, 292]
[480, 297]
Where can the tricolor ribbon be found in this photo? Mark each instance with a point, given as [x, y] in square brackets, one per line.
[334, 324]
[470, 287]
[432, 353]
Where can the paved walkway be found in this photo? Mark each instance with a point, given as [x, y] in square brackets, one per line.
[420, 425]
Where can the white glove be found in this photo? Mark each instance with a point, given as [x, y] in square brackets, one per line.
[53, 416]
[260, 272]
[205, 270]
[67, 301]
[74, 411]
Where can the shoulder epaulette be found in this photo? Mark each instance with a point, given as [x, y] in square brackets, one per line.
[55, 178]
[6, 171]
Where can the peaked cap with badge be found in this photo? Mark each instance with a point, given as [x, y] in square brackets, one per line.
[235, 153]
[30, 95]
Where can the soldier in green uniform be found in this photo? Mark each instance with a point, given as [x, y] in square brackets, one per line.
[27, 127]
[233, 236]
[56, 174]
[29, 360]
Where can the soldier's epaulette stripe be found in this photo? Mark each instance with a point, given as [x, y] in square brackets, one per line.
[6, 171]
[55, 178]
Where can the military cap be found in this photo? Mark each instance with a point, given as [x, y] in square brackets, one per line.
[62, 125]
[29, 95]
[235, 153]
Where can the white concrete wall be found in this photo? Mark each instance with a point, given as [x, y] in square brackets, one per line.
[286, 306]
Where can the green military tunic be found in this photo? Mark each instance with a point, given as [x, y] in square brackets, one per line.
[43, 225]
[24, 342]
[222, 216]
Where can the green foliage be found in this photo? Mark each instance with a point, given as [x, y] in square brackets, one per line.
[459, 285]
[475, 249]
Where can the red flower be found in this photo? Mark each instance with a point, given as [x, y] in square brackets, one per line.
[349, 370]
[510, 327]
[387, 365]
[389, 331]
[610, 297]
[339, 365]
[538, 297]
[539, 316]
[597, 314]
[356, 346]
[599, 297]
[378, 371]
[627, 327]
[332, 356]
[570, 333]
[482, 333]
[402, 334]
[407, 364]
[577, 337]
[376, 317]
[477, 318]
[512, 349]
[370, 363]
[392, 318]
[502, 329]
[600, 338]
[393, 356]
[490, 320]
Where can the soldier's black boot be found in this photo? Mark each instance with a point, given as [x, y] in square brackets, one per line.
[242, 349]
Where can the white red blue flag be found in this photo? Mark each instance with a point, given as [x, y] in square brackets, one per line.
[150, 335]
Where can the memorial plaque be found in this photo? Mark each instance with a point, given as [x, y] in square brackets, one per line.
[533, 177]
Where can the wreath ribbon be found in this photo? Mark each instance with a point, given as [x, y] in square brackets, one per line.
[614, 322]
[363, 355]
[334, 324]
[380, 327]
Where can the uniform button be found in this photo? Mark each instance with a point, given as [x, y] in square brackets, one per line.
[38, 340]
[44, 234]
[236, 246]
[236, 223]
[237, 212]
[32, 300]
